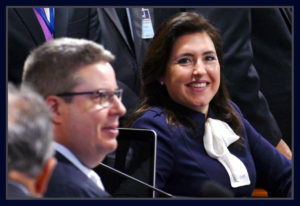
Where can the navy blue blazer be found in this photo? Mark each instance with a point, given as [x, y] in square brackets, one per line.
[183, 166]
[68, 181]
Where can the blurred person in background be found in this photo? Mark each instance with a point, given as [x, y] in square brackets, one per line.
[30, 145]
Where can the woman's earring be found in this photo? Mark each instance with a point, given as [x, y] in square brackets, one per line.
[161, 83]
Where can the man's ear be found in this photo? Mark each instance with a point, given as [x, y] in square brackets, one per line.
[42, 180]
[55, 104]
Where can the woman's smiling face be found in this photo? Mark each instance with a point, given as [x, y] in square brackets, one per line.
[192, 77]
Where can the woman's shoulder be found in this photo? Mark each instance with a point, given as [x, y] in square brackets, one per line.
[236, 108]
[150, 116]
[153, 113]
[153, 118]
[248, 129]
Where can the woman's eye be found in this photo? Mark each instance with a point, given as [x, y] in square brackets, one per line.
[210, 58]
[184, 61]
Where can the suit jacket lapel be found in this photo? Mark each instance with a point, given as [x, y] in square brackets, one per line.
[140, 45]
[32, 24]
[286, 15]
[112, 14]
[136, 20]
[61, 21]
[92, 186]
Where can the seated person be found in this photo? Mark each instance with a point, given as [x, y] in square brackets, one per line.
[79, 85]
[202, 135]
[30, 148]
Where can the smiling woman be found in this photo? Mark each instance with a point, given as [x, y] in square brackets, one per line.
[202, 135]
[192, 77]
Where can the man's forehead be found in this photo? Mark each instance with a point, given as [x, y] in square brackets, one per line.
[100, 75]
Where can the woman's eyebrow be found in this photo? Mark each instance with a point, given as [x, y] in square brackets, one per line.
[209, 52]
[183, 55]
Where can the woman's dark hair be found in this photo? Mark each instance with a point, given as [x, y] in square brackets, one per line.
[155, 66]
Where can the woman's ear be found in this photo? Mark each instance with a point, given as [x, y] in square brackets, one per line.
[55, 104]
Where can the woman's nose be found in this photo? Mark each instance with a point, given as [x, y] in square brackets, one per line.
[199, 68]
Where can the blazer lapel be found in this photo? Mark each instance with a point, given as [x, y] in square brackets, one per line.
[61, 22]
[32, 24]
[112, 14]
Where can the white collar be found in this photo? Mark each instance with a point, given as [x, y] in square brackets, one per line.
[90, 173]
[47, 12]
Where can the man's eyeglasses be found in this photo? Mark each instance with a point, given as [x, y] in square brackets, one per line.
[105, 95]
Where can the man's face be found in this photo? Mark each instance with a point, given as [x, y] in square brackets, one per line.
[91, 130]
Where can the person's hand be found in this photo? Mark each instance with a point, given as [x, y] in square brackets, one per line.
[284, 149]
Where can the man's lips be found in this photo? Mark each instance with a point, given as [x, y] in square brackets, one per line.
[111, 129]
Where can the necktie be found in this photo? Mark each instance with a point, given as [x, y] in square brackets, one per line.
[43, 22]
[96, 179]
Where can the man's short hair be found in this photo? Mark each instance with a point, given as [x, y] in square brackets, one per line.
[30, 132]
[51, 67]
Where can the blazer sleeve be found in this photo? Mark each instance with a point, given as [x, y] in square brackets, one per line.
[274, 170]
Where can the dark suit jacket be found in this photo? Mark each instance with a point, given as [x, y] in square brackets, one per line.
[272, 49]
[68, 181]
[25, 33]
[13, 191]
[235, 27]
[127, 64]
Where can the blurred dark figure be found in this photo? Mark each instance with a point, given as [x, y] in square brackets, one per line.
[25, 32]
[127, 32]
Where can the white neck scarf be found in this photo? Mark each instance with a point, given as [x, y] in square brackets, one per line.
[217, 137]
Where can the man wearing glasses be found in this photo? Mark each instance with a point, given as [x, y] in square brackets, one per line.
[79, 85]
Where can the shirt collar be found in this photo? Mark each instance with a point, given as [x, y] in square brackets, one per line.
[72, 158]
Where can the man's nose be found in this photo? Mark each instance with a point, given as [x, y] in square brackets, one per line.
[118, 107]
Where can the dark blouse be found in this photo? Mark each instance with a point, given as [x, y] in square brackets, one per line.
[183, 166]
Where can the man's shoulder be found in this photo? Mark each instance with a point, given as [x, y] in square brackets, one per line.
[13, 191]
[68, 181]
[67, 170]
